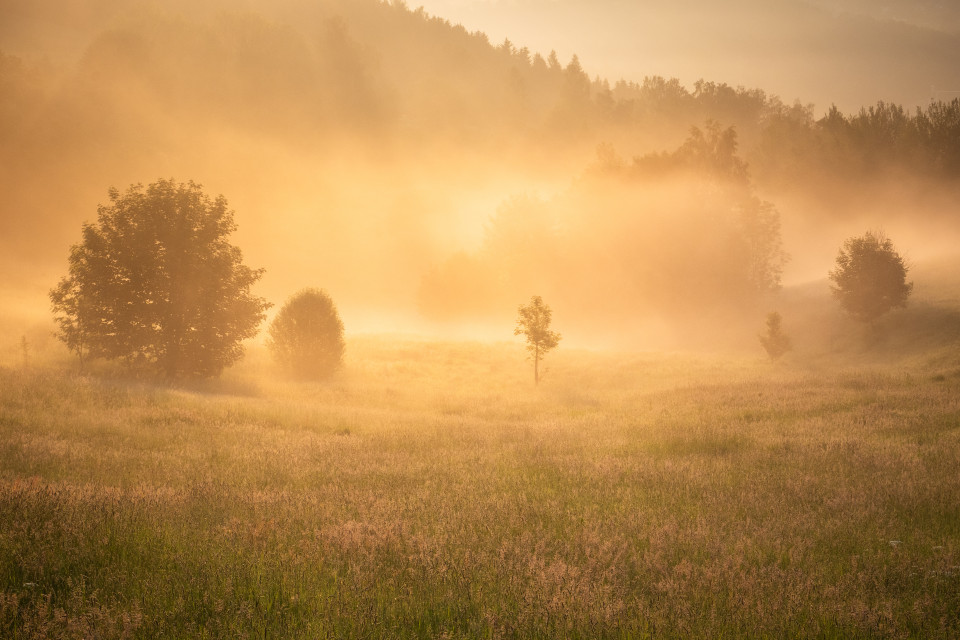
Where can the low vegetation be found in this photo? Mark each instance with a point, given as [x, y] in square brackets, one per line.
[306, 336]
[774, 341]
[430, 490]
[396, 488]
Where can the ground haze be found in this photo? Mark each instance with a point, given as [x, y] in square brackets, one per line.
[665, 179]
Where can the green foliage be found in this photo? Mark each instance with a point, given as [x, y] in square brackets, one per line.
[641, 496]
[306, 337]
[156, 284]
[775, 341]
[534, 323]
[870, 278]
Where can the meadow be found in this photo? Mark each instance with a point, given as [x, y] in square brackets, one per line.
[431, 491]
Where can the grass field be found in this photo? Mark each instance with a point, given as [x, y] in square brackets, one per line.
[432, 491]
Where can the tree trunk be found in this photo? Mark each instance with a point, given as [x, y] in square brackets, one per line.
[536, 366]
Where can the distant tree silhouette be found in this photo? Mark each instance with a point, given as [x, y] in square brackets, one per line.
[539, 64]
[155, 283]
[774, 341]
[714, 152]
[553, 62]
[870, 277]
[534, 323]
[306, 337]
[759, 245]
[708, 162]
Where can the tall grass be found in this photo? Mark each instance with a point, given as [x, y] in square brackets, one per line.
[432, 491]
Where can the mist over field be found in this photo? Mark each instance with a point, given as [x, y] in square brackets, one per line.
[381, 150]
[481, 318]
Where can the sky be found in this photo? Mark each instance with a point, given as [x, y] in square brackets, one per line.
[850, 53]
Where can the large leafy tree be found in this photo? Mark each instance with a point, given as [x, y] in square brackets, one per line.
[156, 284]
[870, 278]
[533, 322]
[306, 337]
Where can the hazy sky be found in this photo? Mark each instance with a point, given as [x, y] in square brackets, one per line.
[846, 52]
[370, 157]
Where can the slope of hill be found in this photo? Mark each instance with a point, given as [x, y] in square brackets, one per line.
[925, 333]
[932, 14]
[363, 144]
[846, 53]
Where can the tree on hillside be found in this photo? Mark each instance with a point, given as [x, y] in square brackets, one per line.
[775, 341]
[750, 255]
[306, 337]
[870, 277]
[156, 284]
[758, 245]
[714, 153]
[534, 323]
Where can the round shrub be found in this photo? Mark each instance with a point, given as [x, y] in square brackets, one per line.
[306, 336]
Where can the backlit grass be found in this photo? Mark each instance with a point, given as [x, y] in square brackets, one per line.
[432, 491]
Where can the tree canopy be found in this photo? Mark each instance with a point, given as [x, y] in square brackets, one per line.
[775, 341]
[156, 284]
[306, 337]
[533, 322]
[870, 278]
[670, 233]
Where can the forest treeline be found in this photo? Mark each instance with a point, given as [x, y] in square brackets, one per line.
[383, 72]
[349, 134]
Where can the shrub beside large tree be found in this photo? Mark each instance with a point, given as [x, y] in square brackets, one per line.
[156, 284]
[306, 337]
[870, 278]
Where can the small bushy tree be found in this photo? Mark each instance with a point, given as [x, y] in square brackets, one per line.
[156, 284]
[534, 323]
[870, 277]
[774, 340]
[306, 337]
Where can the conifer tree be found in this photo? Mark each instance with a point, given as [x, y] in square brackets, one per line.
[774, 340]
